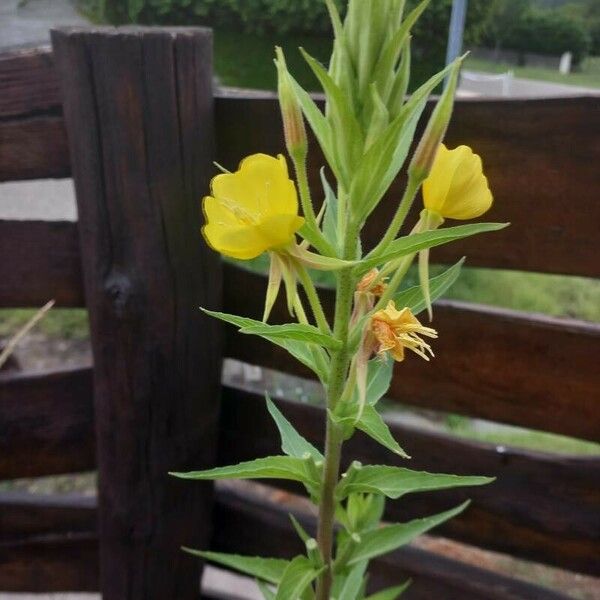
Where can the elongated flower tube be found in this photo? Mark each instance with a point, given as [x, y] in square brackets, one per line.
[396, 330]
[456, 187]
[252, 210]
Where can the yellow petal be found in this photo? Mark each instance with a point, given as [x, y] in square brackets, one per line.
[456, 187]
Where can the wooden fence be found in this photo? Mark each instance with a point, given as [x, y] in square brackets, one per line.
[131, 115]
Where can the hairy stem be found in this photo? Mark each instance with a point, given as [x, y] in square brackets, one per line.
[334, 439]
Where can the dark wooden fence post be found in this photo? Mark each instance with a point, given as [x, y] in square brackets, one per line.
[139, 111]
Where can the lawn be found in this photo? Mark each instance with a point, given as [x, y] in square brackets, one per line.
[587, 76]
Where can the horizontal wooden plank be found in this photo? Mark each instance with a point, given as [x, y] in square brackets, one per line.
[501, 365]
[67, 561]
[253, 524]
[28, 82]
[54, 563]
[46, 423]
[34, 147]
[496, 364]
[23, 515]
[542, 507]
[540, 156]
[40, 261]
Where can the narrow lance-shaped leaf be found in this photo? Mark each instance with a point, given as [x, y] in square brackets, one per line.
[331, 211]
[297, 577]
[387, 539]
[438, 286]
[270, 467]
[347, 136]
[429, 239]
[266, 569]
[298, 349]
[395, 482]
[298, 332]
[384, 159]
[379, 377]
[265, 590]
[292, 443]
[372, 423]
[390, 593]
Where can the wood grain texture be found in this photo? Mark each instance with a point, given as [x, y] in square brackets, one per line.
[242, 518]
[33, 147]
[542, 507]
[23, 515]
[46, 423]
[54, 563]
[44, 264]
[33, 141]
[517, 368]
[138, 106]
[61, 561]
[28, 82]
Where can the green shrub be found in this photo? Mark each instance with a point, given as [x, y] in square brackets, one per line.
[550, 32]
[252, 16]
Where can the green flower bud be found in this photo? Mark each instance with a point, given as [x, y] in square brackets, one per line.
[436, 128]
[291, 113]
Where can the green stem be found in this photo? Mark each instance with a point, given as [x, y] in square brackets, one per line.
[334, 436]
[412, 187]
[313, 299]
[299, 160]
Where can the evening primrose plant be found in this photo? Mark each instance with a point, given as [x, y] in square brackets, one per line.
[365, 133]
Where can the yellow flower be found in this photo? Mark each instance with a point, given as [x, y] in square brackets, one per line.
[456, 187]
[394, 330]
[252, 210]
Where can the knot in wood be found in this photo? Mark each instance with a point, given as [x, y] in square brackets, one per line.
[119, 291]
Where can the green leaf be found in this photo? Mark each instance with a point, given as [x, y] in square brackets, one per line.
[428, 239]
[292, 443]
[270, 467]
[352, 582]
[395, 482]
[372, 423]
[302, 534]
[438, 286]
[298, 332]
[379, 377]
[382, 162]
[384, 70]
[319, 124]
[266, 569]
[331, 211]
[347, 136]
[299, 350]
[265, 590]
[296, 578]
[390, 593]
[369, 421]
[387, 539]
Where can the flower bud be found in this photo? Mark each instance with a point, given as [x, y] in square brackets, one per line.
[291, 113]
[436, 129]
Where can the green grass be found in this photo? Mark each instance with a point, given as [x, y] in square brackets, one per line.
[587, 76]
[58, 323]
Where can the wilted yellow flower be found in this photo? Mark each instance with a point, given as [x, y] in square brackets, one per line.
[456, 187]
[394, 330]
[252, 210]
[369, 284]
